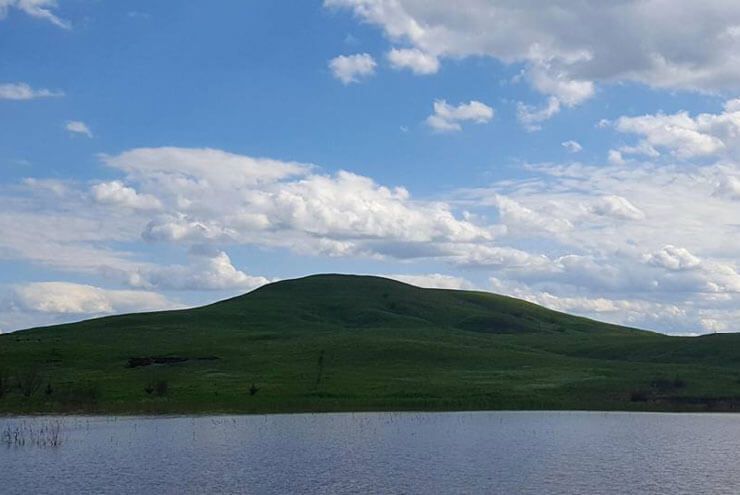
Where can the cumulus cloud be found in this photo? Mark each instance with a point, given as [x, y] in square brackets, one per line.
[449, 118]
[22, 91]
[78, 299]
[615, 157]
[531, 117]
[685, 136]
[41, 9]
[728, 186]
[116, 193]
[78, 127]
[415, 60]
[214, 196]
[617, 207]
[434, 281]
[353, 68]
[565, 47]
[673, 258]
[654, 243]
[572, 146]
[210, 269]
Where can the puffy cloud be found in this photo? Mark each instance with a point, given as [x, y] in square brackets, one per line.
[194, 196]
[447, 118]
[80, 299]
[572, 146]
[78, 127]
[187, 169]
[413, 59]
[41, 9]
[352, 68]
[213, 196]
[568, 45]
[728, 186]
[617, 207]
[117, 194]
[434, 281]
[684, 136]
[673, 258]
[519, 218]
[22, 91]
[616, 158]
[210, 270]
[531, 117]
[660, 237]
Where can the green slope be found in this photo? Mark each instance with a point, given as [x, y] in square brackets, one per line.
[340, 342]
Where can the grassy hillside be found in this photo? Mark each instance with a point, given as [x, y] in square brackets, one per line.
[337, 342]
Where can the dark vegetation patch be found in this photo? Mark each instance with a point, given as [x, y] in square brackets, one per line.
[502, 323]
[76, 396]
[158, 388]
[137, 362]
[658, 388]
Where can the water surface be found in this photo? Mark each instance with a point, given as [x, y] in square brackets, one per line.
[404, 453]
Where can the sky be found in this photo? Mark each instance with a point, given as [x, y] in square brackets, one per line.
[580, 155]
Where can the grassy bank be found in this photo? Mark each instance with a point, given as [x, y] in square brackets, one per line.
[340, 343]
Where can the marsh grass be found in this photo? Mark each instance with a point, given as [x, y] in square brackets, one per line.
[46, 434]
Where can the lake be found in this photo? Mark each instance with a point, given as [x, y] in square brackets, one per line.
[394, 453]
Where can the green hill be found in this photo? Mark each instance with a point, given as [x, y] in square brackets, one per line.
[341, 342]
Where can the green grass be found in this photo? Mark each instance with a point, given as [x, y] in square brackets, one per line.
[350, 343]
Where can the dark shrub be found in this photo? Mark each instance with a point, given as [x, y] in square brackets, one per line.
[4, 383]
[253, 389]
[29, 382]
[78, 396]
[161, 388]
[638, 396]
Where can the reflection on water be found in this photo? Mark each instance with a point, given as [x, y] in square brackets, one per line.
[481, 452]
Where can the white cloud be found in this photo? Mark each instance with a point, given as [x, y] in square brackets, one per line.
[531, 117]
[521, 219]
[572, 146]
[448, 118]
[117, 194]
[657, 243]
[209, 269]
[616, 207]
[434, 281]
[673, 258]
[41, 9]
[190, 170]
[352, 68]
[213, 196]
[616, 158]
[728, 186]
[78, 127]
[705, 135]
[80, 299]
[566, 47]
[418, 62]
[22, 91]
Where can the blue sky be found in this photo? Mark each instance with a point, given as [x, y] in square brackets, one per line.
[580, 157]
